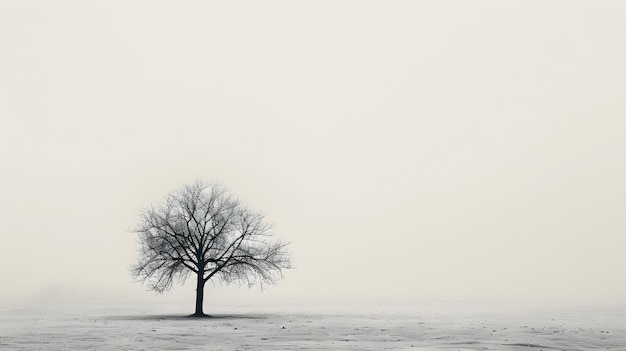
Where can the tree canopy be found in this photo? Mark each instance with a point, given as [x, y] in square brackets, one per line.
[202, 229]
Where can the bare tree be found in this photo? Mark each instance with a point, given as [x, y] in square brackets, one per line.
[202, 229]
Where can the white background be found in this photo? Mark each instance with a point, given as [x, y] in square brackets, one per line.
[409, 150]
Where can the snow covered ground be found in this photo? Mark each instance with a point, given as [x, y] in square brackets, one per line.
[373, 327]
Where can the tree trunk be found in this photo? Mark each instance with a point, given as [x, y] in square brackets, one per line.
[199, 296]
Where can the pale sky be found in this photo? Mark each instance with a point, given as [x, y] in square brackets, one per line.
[409, 150]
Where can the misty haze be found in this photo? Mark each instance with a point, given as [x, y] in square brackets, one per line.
[430, 175]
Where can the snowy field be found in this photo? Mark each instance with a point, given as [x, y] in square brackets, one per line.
[373, 327]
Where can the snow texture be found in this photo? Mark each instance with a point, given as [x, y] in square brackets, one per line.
[340, 327]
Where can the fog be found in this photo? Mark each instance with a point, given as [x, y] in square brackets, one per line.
[409, 151]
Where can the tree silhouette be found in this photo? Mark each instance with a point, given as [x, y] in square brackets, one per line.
[204, 230]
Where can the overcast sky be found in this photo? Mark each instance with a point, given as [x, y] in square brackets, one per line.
[409, 150]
